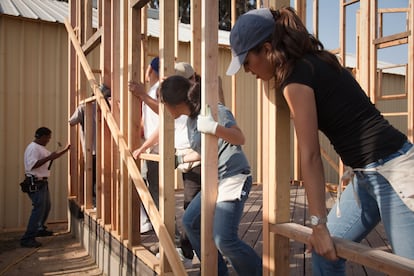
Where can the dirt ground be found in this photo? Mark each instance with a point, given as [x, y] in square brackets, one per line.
[60, 254]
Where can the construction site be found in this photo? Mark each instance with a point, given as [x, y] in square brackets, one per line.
[57, 55]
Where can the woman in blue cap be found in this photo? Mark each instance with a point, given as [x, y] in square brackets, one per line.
[323, 95]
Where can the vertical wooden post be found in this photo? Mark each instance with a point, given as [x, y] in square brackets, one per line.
[364, 54]
[88, 120]
[166, 135]
[209, 177]
[134, 118]
[276, 190]
[410, 74]
[124, 10]
[105, 162]
[196, 35]
[81, 92]
[72, 188]
[115, 58]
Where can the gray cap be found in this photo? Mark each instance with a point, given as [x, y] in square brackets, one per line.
[251, 28]
[184, 69]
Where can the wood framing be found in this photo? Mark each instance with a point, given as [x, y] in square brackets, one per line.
[121, 37]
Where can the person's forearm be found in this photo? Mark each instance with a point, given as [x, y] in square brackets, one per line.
[233, 135]
[42, 161]
[314, 182]
[151, 141]
[151, 102]
[191, 157]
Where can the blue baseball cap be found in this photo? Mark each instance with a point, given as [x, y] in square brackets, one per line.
[250, 29]
[155, 62]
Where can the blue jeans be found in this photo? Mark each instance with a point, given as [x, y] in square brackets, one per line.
[378, 201]
[227, 217]
[41, 208]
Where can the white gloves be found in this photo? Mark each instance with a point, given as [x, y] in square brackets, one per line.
[206, 123]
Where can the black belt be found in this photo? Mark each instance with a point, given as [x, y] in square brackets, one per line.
[37, 178]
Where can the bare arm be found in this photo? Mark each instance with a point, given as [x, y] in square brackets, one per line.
[301, 101]
[151, 141]
[232, 134]
[54, 155]
[191, 157]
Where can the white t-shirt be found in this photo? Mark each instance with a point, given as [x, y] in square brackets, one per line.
[151, 120]
[33, 153]
[180, 133]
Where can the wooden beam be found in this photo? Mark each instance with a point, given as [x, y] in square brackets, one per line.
[138, 4]
[88, 30]
[393, 43]
[72, 190]
[364, 50]
[410, 75]
[276, 177]
[134, 115]
[209, 157]
[167, 42]
[350, 2]
[196, 35]
[92, 42]
[389, 38]
[379, 260]
[106, 156]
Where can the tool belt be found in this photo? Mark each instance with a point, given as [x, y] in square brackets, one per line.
[32, 184]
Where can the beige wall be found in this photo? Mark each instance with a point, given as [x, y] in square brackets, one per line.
[33, 93]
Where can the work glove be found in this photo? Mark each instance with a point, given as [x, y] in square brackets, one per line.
[206, 123]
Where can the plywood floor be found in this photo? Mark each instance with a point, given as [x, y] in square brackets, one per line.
[251, 232]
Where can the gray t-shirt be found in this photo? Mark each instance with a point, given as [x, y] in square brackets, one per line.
[231, 158]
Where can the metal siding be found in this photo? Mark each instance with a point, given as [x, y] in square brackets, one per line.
[33, 93]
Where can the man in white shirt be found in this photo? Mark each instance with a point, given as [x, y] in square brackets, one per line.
[150, 122]
[37, 163]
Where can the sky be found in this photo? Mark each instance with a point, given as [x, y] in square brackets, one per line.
[329, 27]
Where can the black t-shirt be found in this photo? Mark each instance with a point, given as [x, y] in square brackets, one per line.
[355, 128]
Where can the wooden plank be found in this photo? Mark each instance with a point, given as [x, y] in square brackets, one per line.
[209, 156]
[364, 57]
[355, 252]
[276, 176]
[125, 182]
[410, 76]
[138, 4]
[196, 35]
[98, 164]
[87, 20]
[88, 132]
[72, 188]
[166, 129]
[389, 38]
[134, 115]
[350, 2]
[92, 42]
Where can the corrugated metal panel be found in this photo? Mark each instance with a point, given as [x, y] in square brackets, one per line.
[46, 10]
[184, 32]
[33, 93]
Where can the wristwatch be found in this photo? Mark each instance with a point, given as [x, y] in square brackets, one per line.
[315, 220]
